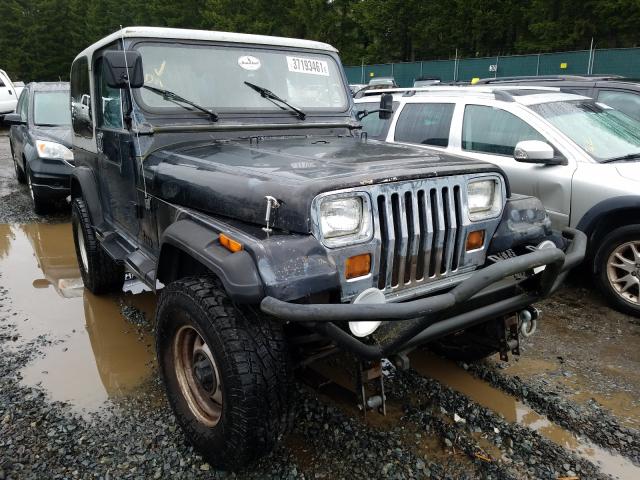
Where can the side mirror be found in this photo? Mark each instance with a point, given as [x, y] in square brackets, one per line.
[536, 151]
[386, 106]
[123, 69]
[13, 119]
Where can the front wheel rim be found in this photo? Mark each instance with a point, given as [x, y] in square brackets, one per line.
[198, 376]
[623, 271]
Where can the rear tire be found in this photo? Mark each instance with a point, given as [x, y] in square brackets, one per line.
[616, 268]
[100, 273]
[239, 410]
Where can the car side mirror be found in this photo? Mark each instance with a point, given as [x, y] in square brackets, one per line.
[123, 69]
[386, 106]
[13, 119]
[536, 151]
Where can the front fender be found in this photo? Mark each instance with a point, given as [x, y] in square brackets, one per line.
[85, 185]
[237, 271]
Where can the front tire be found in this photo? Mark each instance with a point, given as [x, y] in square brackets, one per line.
[100, 273]
[226, 372]
[617, 269]
[40, 204]
[19, 172]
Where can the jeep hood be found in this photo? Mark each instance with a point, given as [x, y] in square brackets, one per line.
[231, 179]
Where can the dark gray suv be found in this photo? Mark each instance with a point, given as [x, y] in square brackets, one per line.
[40, 140]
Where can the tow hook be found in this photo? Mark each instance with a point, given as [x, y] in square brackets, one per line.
[528, 319]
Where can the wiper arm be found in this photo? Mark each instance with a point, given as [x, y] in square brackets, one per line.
[631, 156]
[174, 97]
[272, 96]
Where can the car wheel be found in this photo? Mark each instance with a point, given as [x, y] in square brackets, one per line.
[19, 173]
[617, 269]
[100, 273]
[225, 370]
[40, 205]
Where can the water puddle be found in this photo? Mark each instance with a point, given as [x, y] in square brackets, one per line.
[515, 411]
[95, 352]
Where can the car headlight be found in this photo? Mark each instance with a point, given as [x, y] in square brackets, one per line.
[484, 199]
[53, 150]
[345, 220]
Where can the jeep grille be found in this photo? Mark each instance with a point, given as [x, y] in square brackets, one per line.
[420, 234]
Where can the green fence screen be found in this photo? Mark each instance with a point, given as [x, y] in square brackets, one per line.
[622, 61]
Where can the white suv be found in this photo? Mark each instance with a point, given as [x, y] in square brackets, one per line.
[9, 94]
[580, 157]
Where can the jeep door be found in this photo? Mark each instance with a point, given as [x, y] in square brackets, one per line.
[7, 95]
[116, 157]
[490, 133]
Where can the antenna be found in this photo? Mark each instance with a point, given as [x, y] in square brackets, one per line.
[134, 120]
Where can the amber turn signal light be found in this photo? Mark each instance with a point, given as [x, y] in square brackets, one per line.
[475, 240]
[232, 245]
[357, 266]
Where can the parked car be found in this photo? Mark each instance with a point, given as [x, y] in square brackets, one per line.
[386, 81]
[579, 156]
[356, 87]
[426, 81]
[618, 92]
[40, 142]
[278, 232]
[9, 93]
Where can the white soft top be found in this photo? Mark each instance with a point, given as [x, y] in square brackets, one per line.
[206, 35]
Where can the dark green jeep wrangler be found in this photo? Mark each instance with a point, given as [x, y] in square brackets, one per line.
[229, 172]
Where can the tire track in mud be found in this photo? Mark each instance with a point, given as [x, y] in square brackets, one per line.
[589, 420]
[525, 430]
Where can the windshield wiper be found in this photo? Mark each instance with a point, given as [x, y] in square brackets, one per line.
[174, 97]
[631, 156]
[268, 94]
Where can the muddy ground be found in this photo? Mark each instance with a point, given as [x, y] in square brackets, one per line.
[80, 397]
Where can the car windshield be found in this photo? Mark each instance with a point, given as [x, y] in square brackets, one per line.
[604, 133]
[52, 108]
[214, 77]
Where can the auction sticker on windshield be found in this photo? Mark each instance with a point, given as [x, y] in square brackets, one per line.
[249, 63]
[308, 65]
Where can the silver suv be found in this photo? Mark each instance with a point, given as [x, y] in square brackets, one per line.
[579, 156]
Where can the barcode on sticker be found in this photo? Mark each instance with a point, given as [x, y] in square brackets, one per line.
[308, 65]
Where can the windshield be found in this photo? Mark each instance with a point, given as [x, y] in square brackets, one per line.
[604, 133]
[52, 108]
[214, 77]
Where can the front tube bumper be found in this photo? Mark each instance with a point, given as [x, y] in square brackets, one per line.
[432, 311]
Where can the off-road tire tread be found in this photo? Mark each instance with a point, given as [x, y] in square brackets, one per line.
[259, 401]
[608, 243]
[105, 274]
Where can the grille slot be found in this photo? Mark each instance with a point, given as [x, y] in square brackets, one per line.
[420, 233]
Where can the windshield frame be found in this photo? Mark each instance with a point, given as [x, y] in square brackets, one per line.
[177, 113]
[534, 108]
[35, 93]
